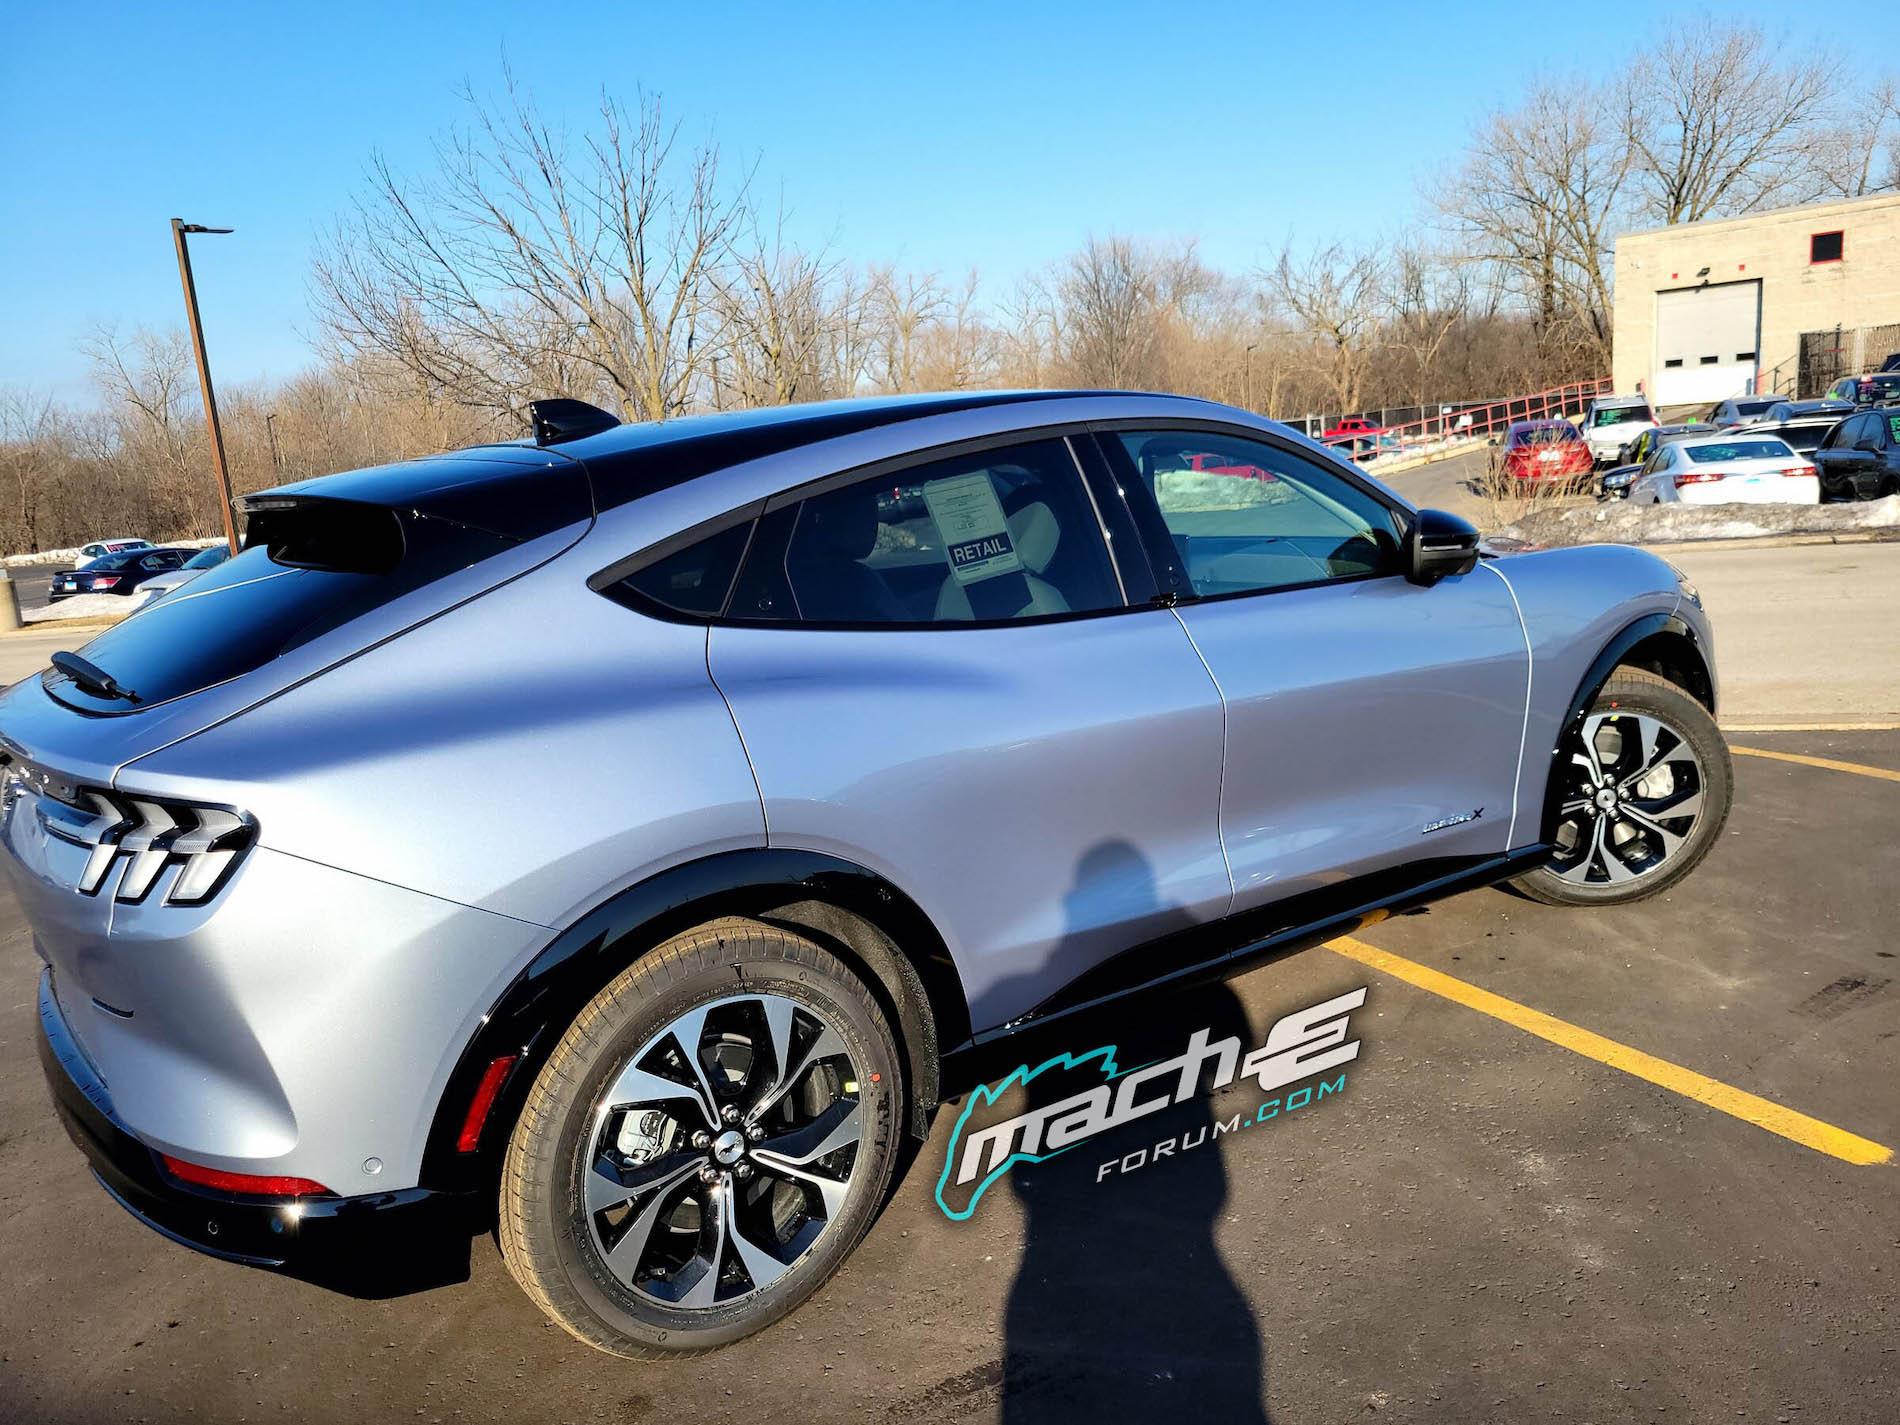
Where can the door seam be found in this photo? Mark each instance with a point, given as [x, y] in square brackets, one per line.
[1530, 669]
[758, 789]
[1220, 796]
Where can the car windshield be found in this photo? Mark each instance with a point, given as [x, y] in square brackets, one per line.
[1754, 407]
[1716, 452]
[209, 558]
[1619, 415]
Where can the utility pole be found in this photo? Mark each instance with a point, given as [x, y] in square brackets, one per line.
[179, 229]
[270, 429]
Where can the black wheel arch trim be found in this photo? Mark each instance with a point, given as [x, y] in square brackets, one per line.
[1656, 631]
[826, 897]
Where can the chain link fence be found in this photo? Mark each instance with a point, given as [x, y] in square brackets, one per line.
[1826, 356]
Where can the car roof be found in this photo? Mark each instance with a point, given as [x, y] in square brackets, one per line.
[1610, 403]
[625, 462]
[1553, 424]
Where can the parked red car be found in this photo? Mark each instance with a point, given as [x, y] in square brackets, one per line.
[1207, 464]
[1546, 450]
[1351, 425]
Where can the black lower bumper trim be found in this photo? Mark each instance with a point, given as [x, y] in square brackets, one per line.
[378, 1245]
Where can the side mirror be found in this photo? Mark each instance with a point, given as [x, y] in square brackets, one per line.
[1438, 544]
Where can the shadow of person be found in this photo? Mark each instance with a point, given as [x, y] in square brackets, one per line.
[1122, 1307]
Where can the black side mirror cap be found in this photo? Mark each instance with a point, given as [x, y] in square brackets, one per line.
[1438, 544]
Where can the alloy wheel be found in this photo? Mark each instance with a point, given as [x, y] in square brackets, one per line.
[722, 1151]
[1634, 792]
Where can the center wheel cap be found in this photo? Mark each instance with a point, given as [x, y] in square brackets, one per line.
[729, 1147]
[1606, 798]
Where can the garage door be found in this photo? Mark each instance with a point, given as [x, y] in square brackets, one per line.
[1707, 341]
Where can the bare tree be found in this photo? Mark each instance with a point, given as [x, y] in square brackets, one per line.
[1337, 297]
[1119, 298]
[1860, 151]
[775, 309]
[1721, 122]
[528, 263]
[1541, 195]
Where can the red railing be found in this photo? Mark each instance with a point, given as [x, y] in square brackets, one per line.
[1475, 420]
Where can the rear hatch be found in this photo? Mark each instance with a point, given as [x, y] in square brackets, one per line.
[329, 567]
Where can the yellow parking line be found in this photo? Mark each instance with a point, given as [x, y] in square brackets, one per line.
[1811, 727]
[1859, 769]
[1798, 1127]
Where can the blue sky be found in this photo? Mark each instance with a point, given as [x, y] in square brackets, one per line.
[944, 137]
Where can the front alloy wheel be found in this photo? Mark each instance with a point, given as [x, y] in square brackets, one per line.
[1646, 786]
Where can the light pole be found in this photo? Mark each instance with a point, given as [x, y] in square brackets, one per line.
[1247, 400]
[270, 429]
[179, 229]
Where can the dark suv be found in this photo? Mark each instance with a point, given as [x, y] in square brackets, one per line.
[1860, 458]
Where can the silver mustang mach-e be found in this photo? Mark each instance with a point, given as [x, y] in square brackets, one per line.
[608, 835]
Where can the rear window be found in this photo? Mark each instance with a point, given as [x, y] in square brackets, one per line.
[1543, 434]
[1715, 452]
[1619, 415]
[310, 565]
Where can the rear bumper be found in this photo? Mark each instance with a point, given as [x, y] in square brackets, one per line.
[379, 1244]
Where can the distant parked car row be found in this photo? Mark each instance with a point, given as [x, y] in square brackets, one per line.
[137, 568]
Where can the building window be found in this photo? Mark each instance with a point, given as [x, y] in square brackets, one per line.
[1825, 247]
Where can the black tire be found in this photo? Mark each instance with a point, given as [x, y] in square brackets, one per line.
[1631, 692]
[552, 1244]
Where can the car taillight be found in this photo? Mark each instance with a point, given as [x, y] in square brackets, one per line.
[102, 581]
[1697, 477]
[1796, 470]
[145, 834]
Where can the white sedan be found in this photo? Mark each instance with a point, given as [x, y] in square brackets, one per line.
[1727, 469]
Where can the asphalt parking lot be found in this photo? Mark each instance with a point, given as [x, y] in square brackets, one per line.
[1490, 1223]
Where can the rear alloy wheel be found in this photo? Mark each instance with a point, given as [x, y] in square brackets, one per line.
[706, 1144]
[1646, 790]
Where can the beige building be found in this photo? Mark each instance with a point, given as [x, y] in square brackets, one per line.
[1715, 309]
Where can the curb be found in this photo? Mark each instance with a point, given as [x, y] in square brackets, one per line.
[1783, 541]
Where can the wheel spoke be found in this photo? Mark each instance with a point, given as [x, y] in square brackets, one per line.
[1603, 850]
[827, 1045]
[607, 1186]
[1689, 804]
[625, 1257]
[828, 1132]
[831, 1190]
[762, 1266]
[636, 1086]
[1670, 840]
[1587, 757]
[688, 1030]
[779, 1022]
[705, 1290]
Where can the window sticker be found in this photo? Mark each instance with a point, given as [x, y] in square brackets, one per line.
[974, 530]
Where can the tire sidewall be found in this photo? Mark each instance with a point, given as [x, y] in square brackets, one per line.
[835, 997]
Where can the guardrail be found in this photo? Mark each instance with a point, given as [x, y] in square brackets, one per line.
[1471, 421]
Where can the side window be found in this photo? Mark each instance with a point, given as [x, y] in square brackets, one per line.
[993, 536]
[1246, 516]
[693, 581]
